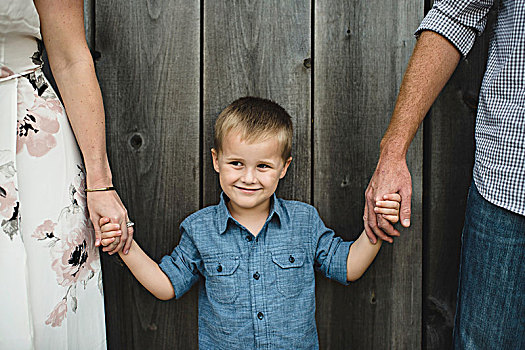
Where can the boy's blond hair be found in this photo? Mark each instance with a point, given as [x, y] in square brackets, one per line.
[256, 119]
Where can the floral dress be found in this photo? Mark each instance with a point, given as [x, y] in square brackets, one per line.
[50, 278]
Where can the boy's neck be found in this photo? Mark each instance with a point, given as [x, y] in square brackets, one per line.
[252, 218]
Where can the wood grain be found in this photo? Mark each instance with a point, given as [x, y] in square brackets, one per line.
[259, 48]
[361, 51]
[149, 74]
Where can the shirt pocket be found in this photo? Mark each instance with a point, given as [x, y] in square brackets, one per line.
[290, 271]
[222, 281]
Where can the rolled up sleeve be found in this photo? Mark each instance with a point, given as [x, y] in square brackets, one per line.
[331, 251]
[459, 21]
[181, 266]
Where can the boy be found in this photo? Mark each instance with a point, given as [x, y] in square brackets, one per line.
[257, 253]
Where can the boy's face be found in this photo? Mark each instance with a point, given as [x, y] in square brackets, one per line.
[249, 172]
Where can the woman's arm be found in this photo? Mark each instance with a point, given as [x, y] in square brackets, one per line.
[62, 25]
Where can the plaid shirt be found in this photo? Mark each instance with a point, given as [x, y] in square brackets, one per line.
[499, 167]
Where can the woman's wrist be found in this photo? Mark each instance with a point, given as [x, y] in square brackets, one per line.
[98, 174]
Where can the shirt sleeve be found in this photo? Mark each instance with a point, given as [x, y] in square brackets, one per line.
[459, 21]
[181, 266]
[331, 251]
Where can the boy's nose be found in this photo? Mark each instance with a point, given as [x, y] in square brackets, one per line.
[249, 176]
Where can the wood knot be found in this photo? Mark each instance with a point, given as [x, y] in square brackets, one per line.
[136, 141]
[307, 63]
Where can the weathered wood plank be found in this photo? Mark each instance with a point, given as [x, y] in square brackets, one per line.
[149, 74]
[361, 50]
[449, 158]
[258, 48]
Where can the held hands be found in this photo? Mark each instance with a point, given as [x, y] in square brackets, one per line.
[388, 208]
[110, 235]
[107, 204]
[390, 176]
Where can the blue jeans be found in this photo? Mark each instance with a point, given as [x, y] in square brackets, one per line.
[490, 310]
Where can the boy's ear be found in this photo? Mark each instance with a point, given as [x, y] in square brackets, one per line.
[285, 168]
[215, 159]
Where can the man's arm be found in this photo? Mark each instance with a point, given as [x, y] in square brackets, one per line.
[432, 63]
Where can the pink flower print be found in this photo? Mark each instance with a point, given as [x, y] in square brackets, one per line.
[44, 230]
[8, 199]
[37, 120]
[58, 314]
[74, 257]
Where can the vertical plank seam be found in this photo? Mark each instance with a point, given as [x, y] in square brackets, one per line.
[426, 195]
[201, 107]
[312, 106]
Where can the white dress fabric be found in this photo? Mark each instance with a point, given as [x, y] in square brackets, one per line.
[50, 279]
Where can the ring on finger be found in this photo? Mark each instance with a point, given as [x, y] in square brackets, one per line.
[130, 224]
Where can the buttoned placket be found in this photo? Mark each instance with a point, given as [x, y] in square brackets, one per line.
[256, 277]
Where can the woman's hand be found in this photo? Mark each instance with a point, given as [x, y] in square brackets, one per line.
[108, 204]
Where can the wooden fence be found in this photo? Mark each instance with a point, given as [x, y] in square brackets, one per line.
[167, 68]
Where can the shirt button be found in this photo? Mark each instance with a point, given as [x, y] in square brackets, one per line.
[219, 268]
[249, 238]
[256, 275]
[291, 259]
[260, 315]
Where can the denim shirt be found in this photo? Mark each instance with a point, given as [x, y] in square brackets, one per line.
[256, 292]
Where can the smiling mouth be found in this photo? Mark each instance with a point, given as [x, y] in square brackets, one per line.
[247, 190]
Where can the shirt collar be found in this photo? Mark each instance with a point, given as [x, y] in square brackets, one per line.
[224, 216]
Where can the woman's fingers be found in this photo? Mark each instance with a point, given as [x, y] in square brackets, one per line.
[129, 240]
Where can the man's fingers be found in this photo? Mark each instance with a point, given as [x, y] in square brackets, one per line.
[404, 213]
[373, 223]
[386, 228]
[392, 218]
[368, 230]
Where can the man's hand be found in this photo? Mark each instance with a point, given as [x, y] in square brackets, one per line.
[391, 176]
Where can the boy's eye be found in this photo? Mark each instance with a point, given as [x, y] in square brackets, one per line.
[236, 163]
[263, 166]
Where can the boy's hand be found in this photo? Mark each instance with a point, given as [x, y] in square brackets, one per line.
[110, 234]
[389, 207]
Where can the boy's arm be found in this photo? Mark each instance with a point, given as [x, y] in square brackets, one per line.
[175, 274]
[361, 254]
[148, 272]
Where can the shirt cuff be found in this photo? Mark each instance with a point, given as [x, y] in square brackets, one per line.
[459, 35]
[338, 263]
[172, 268]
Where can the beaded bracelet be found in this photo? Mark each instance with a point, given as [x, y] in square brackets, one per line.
[110, 188]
